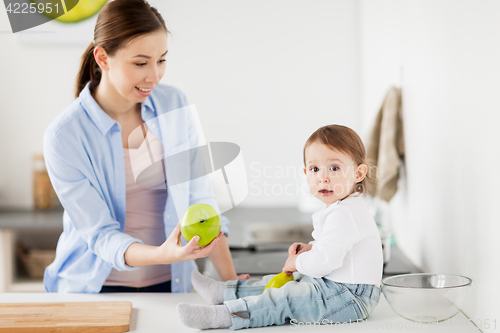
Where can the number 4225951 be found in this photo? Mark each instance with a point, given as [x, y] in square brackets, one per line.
[24, 8]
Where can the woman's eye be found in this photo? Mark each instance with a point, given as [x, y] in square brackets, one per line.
[145, 63]
[334, 168]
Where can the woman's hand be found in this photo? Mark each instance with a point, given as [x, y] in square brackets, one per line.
[173, 251]
[302, 248]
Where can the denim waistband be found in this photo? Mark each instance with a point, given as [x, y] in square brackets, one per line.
[362, 289]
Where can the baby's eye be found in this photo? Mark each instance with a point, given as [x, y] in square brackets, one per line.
[314, 169]
[334, 168]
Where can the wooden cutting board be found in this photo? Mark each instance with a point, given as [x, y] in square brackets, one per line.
[65, 317]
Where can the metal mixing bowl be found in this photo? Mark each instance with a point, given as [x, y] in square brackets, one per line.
[426, 297]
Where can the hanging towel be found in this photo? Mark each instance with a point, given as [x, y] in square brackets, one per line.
[386, 145]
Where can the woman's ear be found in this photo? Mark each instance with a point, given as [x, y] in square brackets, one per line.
[101, 58]
[305, 173]
[361, 172]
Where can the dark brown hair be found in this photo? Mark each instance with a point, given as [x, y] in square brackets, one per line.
[345, 140]
[117, 23]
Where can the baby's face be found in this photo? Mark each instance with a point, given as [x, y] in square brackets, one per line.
[331, 175]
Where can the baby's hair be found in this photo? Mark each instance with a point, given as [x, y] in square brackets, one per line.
[347, 141]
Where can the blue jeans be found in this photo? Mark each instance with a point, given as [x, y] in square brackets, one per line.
[308, 300]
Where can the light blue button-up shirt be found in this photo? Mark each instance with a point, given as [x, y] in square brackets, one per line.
[83, 152]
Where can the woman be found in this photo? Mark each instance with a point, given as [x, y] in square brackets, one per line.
[114, 229]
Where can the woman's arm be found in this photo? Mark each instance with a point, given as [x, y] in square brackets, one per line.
[223, 262]
[169, 252]
[172, 251]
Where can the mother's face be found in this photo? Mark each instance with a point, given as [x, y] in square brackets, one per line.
[138, 66]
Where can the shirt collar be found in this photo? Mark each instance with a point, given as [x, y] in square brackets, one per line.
[147, 108]
[352, 195]
[100, 118]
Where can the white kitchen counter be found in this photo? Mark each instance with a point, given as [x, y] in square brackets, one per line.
[155, 312]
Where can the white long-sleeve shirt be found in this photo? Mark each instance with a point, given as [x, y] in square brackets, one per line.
[346, 247]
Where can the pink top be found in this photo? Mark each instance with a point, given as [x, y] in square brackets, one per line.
[144, 213]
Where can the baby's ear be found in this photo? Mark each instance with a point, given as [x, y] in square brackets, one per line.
[362, 171]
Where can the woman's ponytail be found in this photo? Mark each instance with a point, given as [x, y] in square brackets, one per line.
[118, 22]
[89, 71]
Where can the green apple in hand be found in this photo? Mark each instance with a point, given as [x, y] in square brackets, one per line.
[282, 278]
[202, 220]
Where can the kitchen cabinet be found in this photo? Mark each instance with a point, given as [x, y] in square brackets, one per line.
[37, 229]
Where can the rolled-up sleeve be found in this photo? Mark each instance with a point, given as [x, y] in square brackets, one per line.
[327, 254]
[89, 213]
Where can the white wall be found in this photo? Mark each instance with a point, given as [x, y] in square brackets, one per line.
[265, 75]
[262, 74]
[36, 84]
[445, 55]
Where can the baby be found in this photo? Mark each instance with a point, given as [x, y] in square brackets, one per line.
[340, 270]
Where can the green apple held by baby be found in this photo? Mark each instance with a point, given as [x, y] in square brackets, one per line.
[282, 278]
[202, 220]
[279, 280]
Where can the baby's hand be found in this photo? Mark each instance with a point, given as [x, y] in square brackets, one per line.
[298, 248]
[290, 267]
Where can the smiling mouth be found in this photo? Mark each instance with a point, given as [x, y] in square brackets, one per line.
[144, 89]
